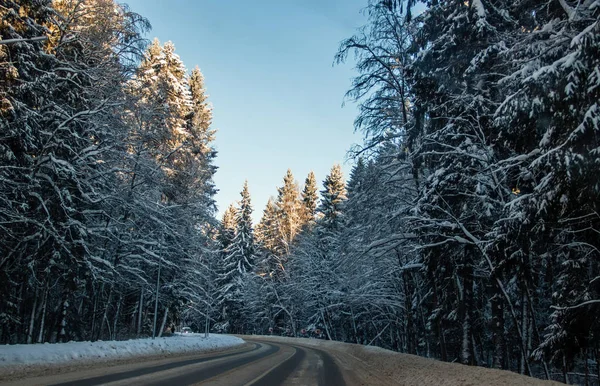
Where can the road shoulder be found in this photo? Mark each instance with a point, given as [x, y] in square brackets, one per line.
[369, 365]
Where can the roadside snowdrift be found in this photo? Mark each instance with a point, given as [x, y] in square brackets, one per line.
[68, 353]
[371, 365]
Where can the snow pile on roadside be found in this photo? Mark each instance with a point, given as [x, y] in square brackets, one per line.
[370, 365]
[67, 353]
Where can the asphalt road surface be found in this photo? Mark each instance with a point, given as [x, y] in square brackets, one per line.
[259, 363]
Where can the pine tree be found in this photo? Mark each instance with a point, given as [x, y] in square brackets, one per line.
[238, 259]
[267, 236]
[289, 213]
[193, 168]
[244, 235]
[228, 223]
[333, 197]
[201, 111]
[162, 103]
[170, 153]
[266, 231]
[227, 229]
[309, 198]
[201, 134]
[225, 269]
[356, 177]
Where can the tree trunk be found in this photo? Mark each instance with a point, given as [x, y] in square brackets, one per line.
[476, 358]
[467, 325]
[440, 327]
[140, 313]
[292, 320]
[565, 375]
[156, 300]
[354, 325]
[32, 320]
[534, 329]
[206, 321]
[162, 325]
[423, 323]
[598, 364]
[587, 368]
[325, 325]
[410, 335]
[524, 334]
[442, 337]
[45, 304]
[498, 332]
[105, 315]
[62, 335]
[80, 307]
[116, 320]
[93, 332]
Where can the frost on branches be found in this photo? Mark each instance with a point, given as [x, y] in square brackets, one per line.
[106, 174]
[470, 228]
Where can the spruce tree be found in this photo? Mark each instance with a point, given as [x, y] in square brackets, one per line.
[227, 228]
[355, 181]
[309, 198]
[244, 235]
[201, 109]
[171, 155]
[225, 270]
[238, 259]
[333, 197]
[193, 167]
[266, 231]
[289, 213]
[163, 103]
[268, 235]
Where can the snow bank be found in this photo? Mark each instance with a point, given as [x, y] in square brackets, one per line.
[67, 353]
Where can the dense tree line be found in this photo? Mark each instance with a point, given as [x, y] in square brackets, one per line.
[469, 227]
[106, 165]
[467, 231]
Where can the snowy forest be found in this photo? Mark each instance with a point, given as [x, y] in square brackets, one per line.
[106, 166]
[468, 230]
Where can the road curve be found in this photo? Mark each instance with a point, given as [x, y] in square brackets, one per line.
[261, 363]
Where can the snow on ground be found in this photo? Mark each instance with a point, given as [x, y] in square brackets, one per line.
[369, 365]
[67, 353]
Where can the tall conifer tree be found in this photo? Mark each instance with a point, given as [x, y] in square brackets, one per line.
[309, 198]
[244, 237]
[237, 259]
[333, 197]
[289, 212]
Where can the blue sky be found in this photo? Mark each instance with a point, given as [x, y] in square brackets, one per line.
[268, 68]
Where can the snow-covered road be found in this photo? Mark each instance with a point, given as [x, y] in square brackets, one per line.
[256, 363]
[264, 360]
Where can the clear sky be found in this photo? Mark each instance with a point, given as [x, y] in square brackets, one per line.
[277, 98]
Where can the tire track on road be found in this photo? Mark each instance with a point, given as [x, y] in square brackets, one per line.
[278, 374]
[199, 375]
[103, 379]
[329, 375]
